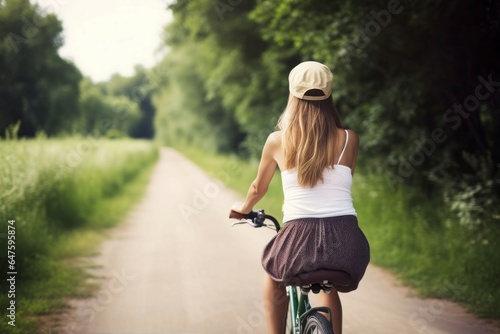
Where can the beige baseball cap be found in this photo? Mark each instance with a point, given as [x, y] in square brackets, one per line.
[310, 75]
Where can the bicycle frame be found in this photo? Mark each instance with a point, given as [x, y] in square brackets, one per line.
[300, 308]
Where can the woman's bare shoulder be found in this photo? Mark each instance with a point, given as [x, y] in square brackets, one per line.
[276, 134]
[274, 147]
[274, 138]
[353, 137]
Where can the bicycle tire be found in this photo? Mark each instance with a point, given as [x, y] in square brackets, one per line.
[317, 323]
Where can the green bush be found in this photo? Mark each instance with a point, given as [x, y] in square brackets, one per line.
[474, 197]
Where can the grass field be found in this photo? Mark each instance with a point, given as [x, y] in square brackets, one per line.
[63, 195]
[409, 233]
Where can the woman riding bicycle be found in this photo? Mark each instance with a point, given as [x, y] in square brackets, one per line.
[317, 160]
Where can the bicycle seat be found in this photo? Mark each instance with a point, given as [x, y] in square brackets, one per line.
[320, 280]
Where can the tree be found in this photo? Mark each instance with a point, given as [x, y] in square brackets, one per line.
[401, 66]
[139, 88]
[103, 114]
[37, 86]
[240, 88]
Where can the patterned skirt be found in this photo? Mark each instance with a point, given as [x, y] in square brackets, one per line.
[308, 244]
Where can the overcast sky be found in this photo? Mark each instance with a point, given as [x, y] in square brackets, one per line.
[103, 37]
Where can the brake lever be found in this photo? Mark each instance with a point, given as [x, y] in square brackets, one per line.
[249, 222]
[239, 223]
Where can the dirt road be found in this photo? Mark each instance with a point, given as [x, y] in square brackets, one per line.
[177, 266]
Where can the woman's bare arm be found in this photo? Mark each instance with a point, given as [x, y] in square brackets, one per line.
[265, 173]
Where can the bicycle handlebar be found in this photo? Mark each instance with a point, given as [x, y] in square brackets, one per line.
[257, 218]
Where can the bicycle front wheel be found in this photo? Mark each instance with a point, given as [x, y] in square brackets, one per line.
[317, 324]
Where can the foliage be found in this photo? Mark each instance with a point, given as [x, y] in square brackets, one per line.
[37, 87]
[46, 93]
[183, 112]
[399, 67]
[418, 81]
[222, 81]
[473, 197]
[138, 88]
[104, 113]
[121, 106]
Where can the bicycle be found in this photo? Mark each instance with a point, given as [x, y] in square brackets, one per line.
[303, 319]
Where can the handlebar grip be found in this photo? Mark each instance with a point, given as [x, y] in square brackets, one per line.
[239, 215]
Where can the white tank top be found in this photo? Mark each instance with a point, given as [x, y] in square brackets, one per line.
[329, 198]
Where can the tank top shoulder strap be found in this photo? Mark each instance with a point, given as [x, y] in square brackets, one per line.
[345, 145]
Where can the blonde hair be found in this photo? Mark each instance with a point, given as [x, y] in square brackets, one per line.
[309, 132]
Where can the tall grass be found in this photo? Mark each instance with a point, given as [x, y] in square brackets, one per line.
[61, 192]
[48, 186]
[424, 244]
[410, 233]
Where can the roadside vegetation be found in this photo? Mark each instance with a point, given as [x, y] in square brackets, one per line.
[63, 195]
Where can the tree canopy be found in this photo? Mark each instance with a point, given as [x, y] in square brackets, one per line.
[37, 87]
[43, 92]
[419, 82]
